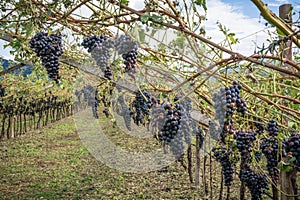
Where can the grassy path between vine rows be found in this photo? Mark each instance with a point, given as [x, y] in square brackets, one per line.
[52, 163]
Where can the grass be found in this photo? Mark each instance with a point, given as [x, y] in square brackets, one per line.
[52, 163]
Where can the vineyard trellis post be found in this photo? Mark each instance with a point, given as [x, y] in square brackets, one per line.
[287, 178]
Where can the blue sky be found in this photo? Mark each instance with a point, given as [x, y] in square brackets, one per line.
[249, 9]
[240, 16]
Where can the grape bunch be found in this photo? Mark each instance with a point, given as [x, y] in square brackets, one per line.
[272, 128]
[226, 102]
[255, 182]
[99, 47]
[292, 147]
[269, 147]
[177, 146]
[130, 60]
[186, 122]
[90, 43]
[142, 106]
[171, 132]
[170, 125]
[128, 49]
[124, 44]
[228, 129]
[260, 127]
[244, 142]
[222, 155]
[233, 100]
[49, 48]
[95, 104]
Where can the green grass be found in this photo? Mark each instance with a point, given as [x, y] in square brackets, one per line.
[52, 163]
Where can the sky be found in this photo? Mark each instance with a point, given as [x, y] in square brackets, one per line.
[239, 16]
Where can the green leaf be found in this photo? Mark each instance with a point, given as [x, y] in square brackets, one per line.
[287, 168]
[280, 33]
[201, 3]
[292, 159]
[125, 2]
[157, 18]
[145, 18]
[231, 38]
[284, 167]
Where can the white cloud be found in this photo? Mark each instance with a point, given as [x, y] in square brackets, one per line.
[232, 18]
[137, 4]
[274, 5]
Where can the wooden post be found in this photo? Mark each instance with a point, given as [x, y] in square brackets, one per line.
[285, 11]
[286, 183]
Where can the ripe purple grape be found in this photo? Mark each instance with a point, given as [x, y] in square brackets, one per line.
[49, 48]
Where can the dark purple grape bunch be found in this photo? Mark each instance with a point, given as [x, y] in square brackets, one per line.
[95, 104]
[233, 100]
[257, 183]
[49, 48]
[244, 142]
[100, 49]
[222, 155]
[142, 105]
[130, 59]
[226, 102]
[128, 49]
[269, 147]
[90, 43]
[260, 127]
[272, 128]
[124, 44]
[292, 148]
[228, 129]
[172, 123]
[171, 133]
[186, 122]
